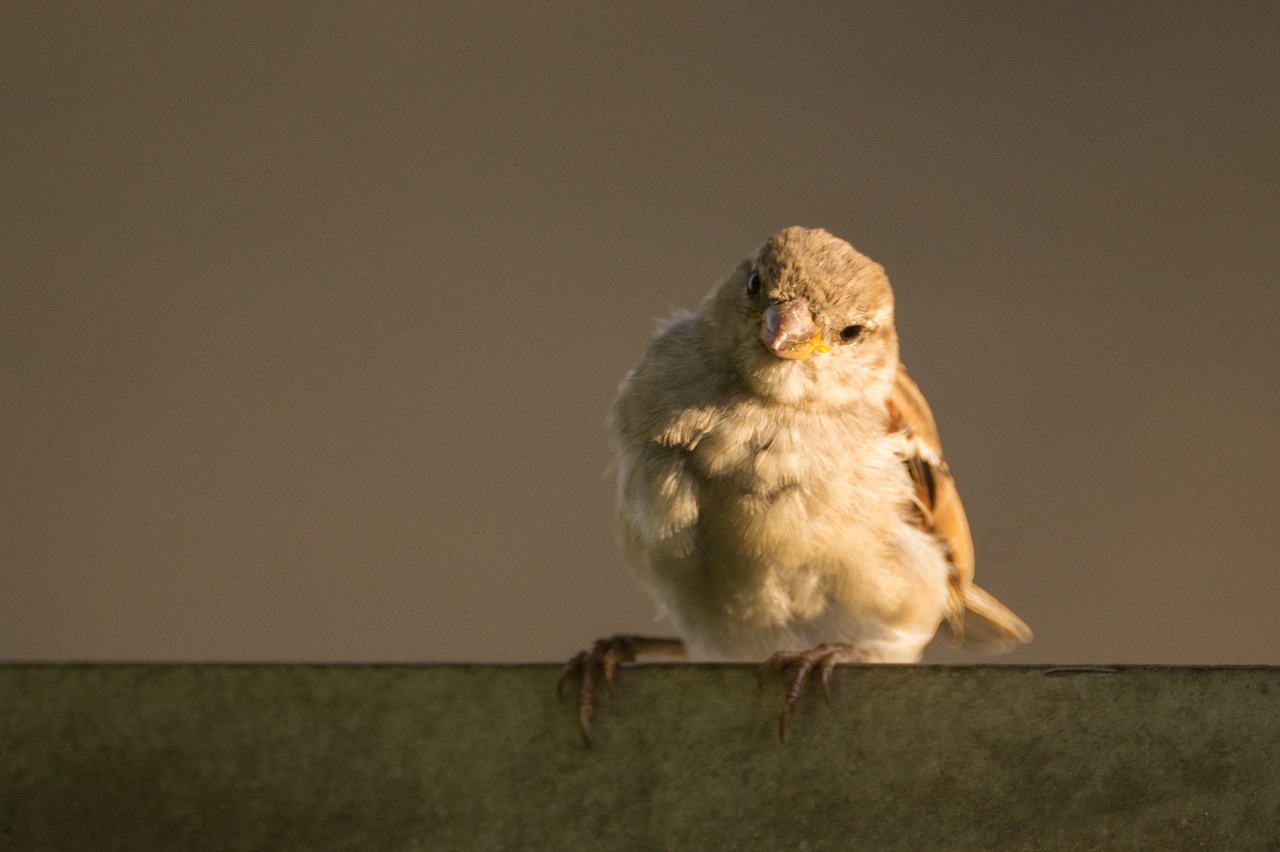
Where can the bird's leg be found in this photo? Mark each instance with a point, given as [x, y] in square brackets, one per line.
[824, 658]
[602, 659]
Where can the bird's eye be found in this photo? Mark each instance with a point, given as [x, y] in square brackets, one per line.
[753, 283]
[850, 333]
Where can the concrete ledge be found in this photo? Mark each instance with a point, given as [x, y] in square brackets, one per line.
[392, 757]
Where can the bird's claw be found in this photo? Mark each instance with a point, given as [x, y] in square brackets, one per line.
[601, 661]
[823, 657]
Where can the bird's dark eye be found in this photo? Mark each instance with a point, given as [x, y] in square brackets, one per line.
[753, 283]
[850, 333]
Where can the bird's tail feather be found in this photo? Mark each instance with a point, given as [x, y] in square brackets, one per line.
[990, 626]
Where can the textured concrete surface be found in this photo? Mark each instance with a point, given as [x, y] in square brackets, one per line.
[390, 757]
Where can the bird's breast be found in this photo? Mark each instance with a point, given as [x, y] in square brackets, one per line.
[790, 485]
[799, 531]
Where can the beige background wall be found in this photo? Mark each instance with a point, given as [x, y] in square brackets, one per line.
[310, 315]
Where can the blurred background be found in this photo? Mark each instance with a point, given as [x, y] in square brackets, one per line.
[310, 314]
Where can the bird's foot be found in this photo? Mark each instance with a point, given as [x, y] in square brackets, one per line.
[601, 660]
[824, 658]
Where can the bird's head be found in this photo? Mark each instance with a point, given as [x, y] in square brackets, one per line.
[806, 316]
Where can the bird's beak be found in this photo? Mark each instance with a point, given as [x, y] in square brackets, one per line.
[788, 331]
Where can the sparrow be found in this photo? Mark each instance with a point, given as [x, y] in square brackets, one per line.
[782, 493]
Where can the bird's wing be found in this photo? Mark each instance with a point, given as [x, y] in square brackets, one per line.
[938, 511]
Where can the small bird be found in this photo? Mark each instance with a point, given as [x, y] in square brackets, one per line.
[781, 487]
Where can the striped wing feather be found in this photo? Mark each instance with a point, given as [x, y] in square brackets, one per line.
[976, 619]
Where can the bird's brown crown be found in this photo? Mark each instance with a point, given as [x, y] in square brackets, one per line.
[813, 263]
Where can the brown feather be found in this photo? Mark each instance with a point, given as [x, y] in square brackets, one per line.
[938, 511]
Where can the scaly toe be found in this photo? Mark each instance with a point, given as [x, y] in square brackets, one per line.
[823, 657]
